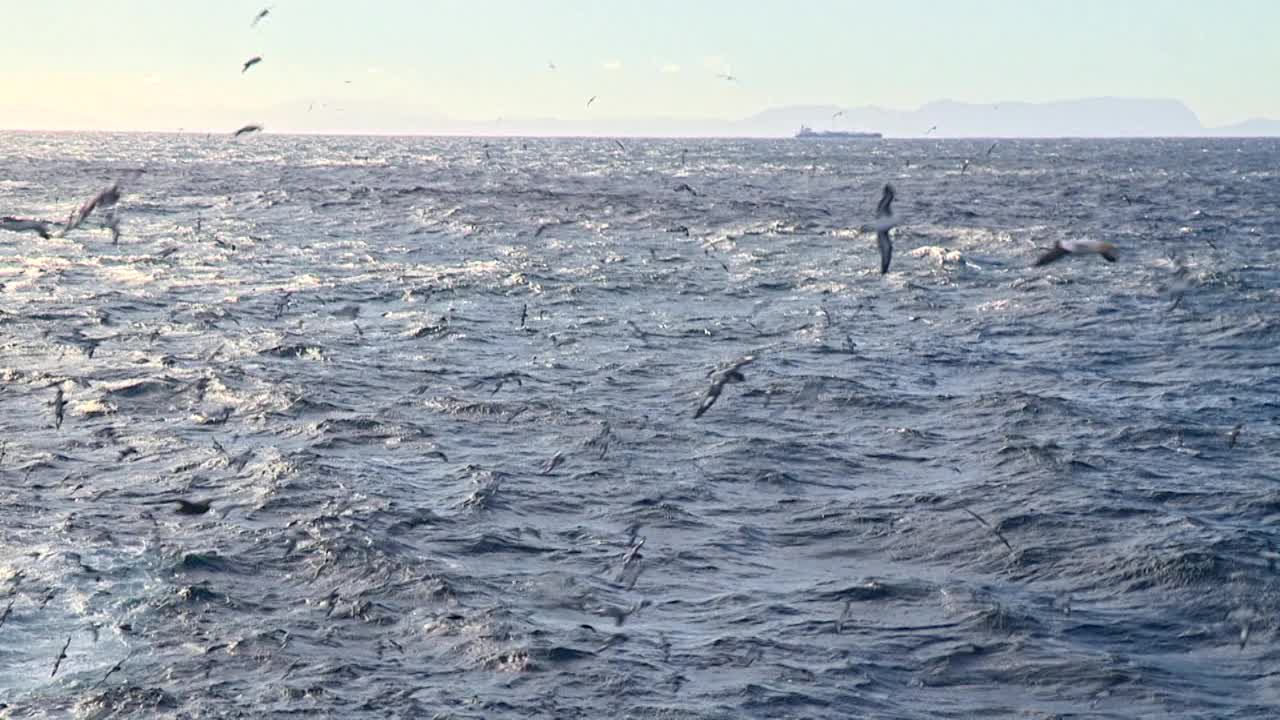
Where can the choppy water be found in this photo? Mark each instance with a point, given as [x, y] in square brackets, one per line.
[324, 336]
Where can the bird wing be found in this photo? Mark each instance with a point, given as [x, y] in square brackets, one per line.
[709, 399]
[885, 208]
[1057, 253]
[886, 249]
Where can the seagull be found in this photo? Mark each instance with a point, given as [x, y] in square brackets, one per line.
[837, 114]
[15, 224]
[593, 99]
[684, 187]
[247, 129]
[1078, 247]
[731, 374]
[250, 63]
[885, 223]
[104, 199]
[621, 147]
[993, 147]
[551, 66]
[930, 130]
[261, 14]
[727, 76]
[964, 167]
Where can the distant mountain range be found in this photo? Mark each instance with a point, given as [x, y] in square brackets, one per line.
[1090, 118]
[1094, 117]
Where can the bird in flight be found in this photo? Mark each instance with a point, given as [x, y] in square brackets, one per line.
[250, 63]
[247, 129]
[731, 374]
[593, 99]
[261, 14]
[885, 223]
[1064, 248]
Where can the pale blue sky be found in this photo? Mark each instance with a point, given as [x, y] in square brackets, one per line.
[161, 64]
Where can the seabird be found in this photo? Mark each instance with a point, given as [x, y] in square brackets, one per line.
[552, 463]
[62, 655]
[964, 167]
[731, 374]
[621, 147]
[727, 76]
[261, 14]
[993, 147]
[885, 223]
[593, 99]
[1078, 247]
[551, 65]
[1234, 435]
[186, 507]
[837, 114]
[247, 129]
[104, 199]
[16, 224]
[930, 130]
[684, 187]
[59, 405]
[250, 63]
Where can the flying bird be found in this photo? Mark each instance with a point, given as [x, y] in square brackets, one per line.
[62, 655]
[885, 223]
[964, 167]
[261, 14]
[15, 224]
[1078, 247]
[551, 66]
[930, 130]
[621, 147]
[731, 374]
[247, 129]
[593, 99]
[59, 404]
[727, 76]
[186, 507]
[993, 147]
[104, 199]
[250, 63]
[837, 114]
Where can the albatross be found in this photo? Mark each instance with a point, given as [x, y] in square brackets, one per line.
[107, 198]
[885, 223]
[1064, 248]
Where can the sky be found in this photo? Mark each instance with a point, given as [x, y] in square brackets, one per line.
[391, 64]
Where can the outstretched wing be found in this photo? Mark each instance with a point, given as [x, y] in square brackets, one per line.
[1056, 253]
[886, 249]
[885, 208]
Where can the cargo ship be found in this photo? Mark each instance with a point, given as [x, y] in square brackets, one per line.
[807, 133]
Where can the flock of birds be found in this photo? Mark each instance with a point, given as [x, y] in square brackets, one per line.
[104, 205]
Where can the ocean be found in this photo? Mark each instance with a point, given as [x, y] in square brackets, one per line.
[441, 395]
